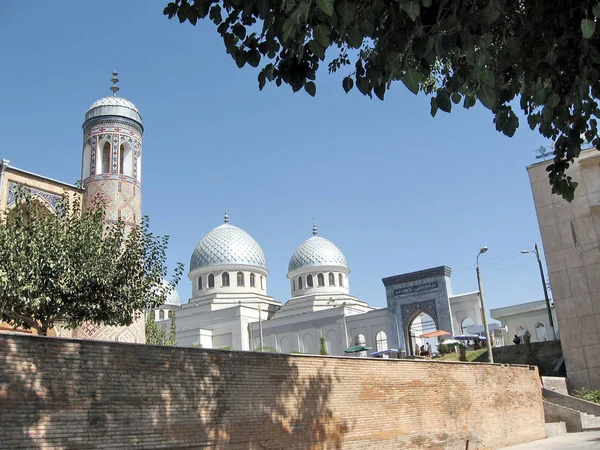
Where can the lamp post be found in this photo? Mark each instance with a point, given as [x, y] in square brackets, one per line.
[537, 254]
[485, 324]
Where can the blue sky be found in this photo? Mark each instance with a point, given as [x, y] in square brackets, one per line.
[394, 188]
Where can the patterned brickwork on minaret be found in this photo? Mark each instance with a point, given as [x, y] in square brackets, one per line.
[111, 174]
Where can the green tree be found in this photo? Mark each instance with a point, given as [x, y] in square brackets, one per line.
[543, 54]
[322, 346]
[156, 335]
[74, 268]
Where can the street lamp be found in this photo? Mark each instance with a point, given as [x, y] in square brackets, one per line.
[537, 254]
[485, 324]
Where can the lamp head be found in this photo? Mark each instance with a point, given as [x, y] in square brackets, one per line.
[483, 250]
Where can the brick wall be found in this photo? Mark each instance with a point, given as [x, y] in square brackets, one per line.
[68, 394]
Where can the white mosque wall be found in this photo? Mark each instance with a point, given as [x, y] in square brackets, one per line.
[260, 281]
[465, 306]
[370, 325]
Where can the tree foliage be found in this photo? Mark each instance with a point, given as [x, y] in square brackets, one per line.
[156, 335]
[544, 54]
[73, 268]
[322, 346]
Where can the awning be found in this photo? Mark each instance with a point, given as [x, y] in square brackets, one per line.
[358, 348]
[435, 333]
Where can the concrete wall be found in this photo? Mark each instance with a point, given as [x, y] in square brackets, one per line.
[571, 236]
[83, 394]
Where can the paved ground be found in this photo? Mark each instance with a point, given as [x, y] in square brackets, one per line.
[570, 441]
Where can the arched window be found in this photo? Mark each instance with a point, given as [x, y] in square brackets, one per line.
[261, 282]
[293, 285]
[252, 279]
[240, 278]
[331, 279]
[360, 340]
[320, 280]
[381, 341]
[225, 279]
[341, 280]
[211, 281]
[170, 315]
[125, 160]
[87, 160]
[309, 280]
[161, 314]
[152, 314]
[105, 168]
[200, 283]
[540, 332]
[299, 282]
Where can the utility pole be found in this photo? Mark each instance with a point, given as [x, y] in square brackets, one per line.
[485, 323]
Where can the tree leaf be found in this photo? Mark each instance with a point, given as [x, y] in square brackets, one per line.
[588, 27]
[326, 6]
[347, 84]
[412, 9]
[412, 79]
[487, 97]
[311, 88]
[321, 34]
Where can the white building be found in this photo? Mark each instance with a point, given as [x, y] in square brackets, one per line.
[519, 319]
[230, 307]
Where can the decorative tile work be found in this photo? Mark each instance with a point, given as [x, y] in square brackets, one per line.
[125, 202]
[227, 244]
[412, 309]
[135, 333]
[51, 199]
[317, 251]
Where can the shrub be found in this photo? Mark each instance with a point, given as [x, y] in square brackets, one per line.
[530, 352]
[443, 349]
[463, 353]
[590, 395]
[323, 346]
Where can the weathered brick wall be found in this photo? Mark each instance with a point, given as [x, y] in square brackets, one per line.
[68, 394]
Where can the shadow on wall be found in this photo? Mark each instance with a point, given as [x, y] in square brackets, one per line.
[73, 394]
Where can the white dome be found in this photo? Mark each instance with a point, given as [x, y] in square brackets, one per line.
[228, 245]
[317, 251]
[114, 106]
[173, 298]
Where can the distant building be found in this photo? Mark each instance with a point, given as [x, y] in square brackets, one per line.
[519, 319]
[570, 235]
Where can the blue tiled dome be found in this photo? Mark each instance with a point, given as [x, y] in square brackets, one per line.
[317, 251]
[227, 245]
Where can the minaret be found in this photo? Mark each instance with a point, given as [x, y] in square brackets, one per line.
[112, 157]
[111, 173]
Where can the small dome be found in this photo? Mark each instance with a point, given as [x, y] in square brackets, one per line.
[227, 245]
[173, 298]
[113, 106]
[317, 251]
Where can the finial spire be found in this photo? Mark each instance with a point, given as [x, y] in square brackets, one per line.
[114, 80]
[315, 232]
[226, 218]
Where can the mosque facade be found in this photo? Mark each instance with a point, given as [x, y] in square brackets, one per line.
[229, 306]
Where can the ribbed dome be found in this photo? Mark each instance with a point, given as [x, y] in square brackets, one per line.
[317, 251]
[227, 245]
[114, 106]
[173, 298]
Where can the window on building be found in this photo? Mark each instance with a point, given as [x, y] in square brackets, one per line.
[540, 332]
[381, 341]
[170, 315]
[161, 314]
[360, 340]
[331, 279]
[211, 281]
[252, 280]
[293, 285]
[309, 280]
[341, 280]
[299, 282]
[261, 282]
[320, 280]
[200, 283]
[240, 278]
[105, 168]
[126, 160]
[225, 279]
[520, 331]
